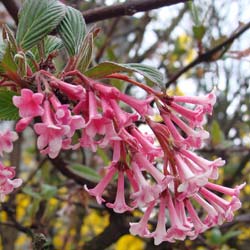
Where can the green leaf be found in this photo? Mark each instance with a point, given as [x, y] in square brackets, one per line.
[51, 44]
[7, 109]
[86, 172]
[199, 31]
[85, 53]
[8, 36]
[106, 68]
[48, 191]
[217, 135]
[215, 236]
[229, 235]
[29, 191]
[36, 20]
[72, 30]
[7, 63]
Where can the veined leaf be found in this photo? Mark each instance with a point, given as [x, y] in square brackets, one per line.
[36, 20]
[85, 53]
[51, 44]
[106, 68]
[72, 30]
[8, 36]
[86, 172]
[7, 63]
[7, 109]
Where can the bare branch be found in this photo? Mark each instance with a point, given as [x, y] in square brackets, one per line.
[12, 7]
[63, 167]
[129, 8]
[208, 56]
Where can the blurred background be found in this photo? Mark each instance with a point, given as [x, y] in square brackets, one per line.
[168, 38]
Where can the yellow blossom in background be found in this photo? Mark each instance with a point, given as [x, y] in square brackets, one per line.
[94, 223]
[129, 242]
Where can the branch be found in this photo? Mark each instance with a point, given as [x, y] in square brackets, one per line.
[208, 56]
[12, 7]
[129, 8]
[63, 167]
[118, 226]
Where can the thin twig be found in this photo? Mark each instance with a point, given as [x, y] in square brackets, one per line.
[128, 8]
[208, 56]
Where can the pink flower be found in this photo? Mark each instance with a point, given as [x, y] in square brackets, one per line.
[191, 179]
[194, 117]
[203, 164]
[120, 206]
[50, 139]
[193, 138]
[206, 101]
[177, 231]
[141, 106]
[6, 141]
[98, 190]
[147, 147]
[146, 192]
[160, 232]
[63, 116]
[29, 107]
[141, 228]
[74, 92]
[29, 103]
[199, 226]
[7, 185]
[145, 165]
[124, 119]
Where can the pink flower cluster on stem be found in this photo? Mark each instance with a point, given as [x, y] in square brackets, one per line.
[7, 174]
[163, 171]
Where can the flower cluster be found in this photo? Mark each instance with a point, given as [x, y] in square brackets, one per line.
[161, 168]
[7, 183]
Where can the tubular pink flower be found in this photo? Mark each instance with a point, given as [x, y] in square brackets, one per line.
[7, 185]
[203, 163]
[141, 106]
[141, 228]
[98, 190]
[225, 208]
[74, 92]
[194, 117]
[120, 206]
[199, 226]
[146, 146]
[160, 232]
[207, 101]
[177, 231]
[29, 103]
[50, 137]
[178, 139]
[123, 118]
[146, 192]
[225, 190]
[144, 164]
[195, 137]
[6, 141]
[212, 217]
[23, 123]
[95, 123]
[190, 181]
[107, 91]
[63, 116]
